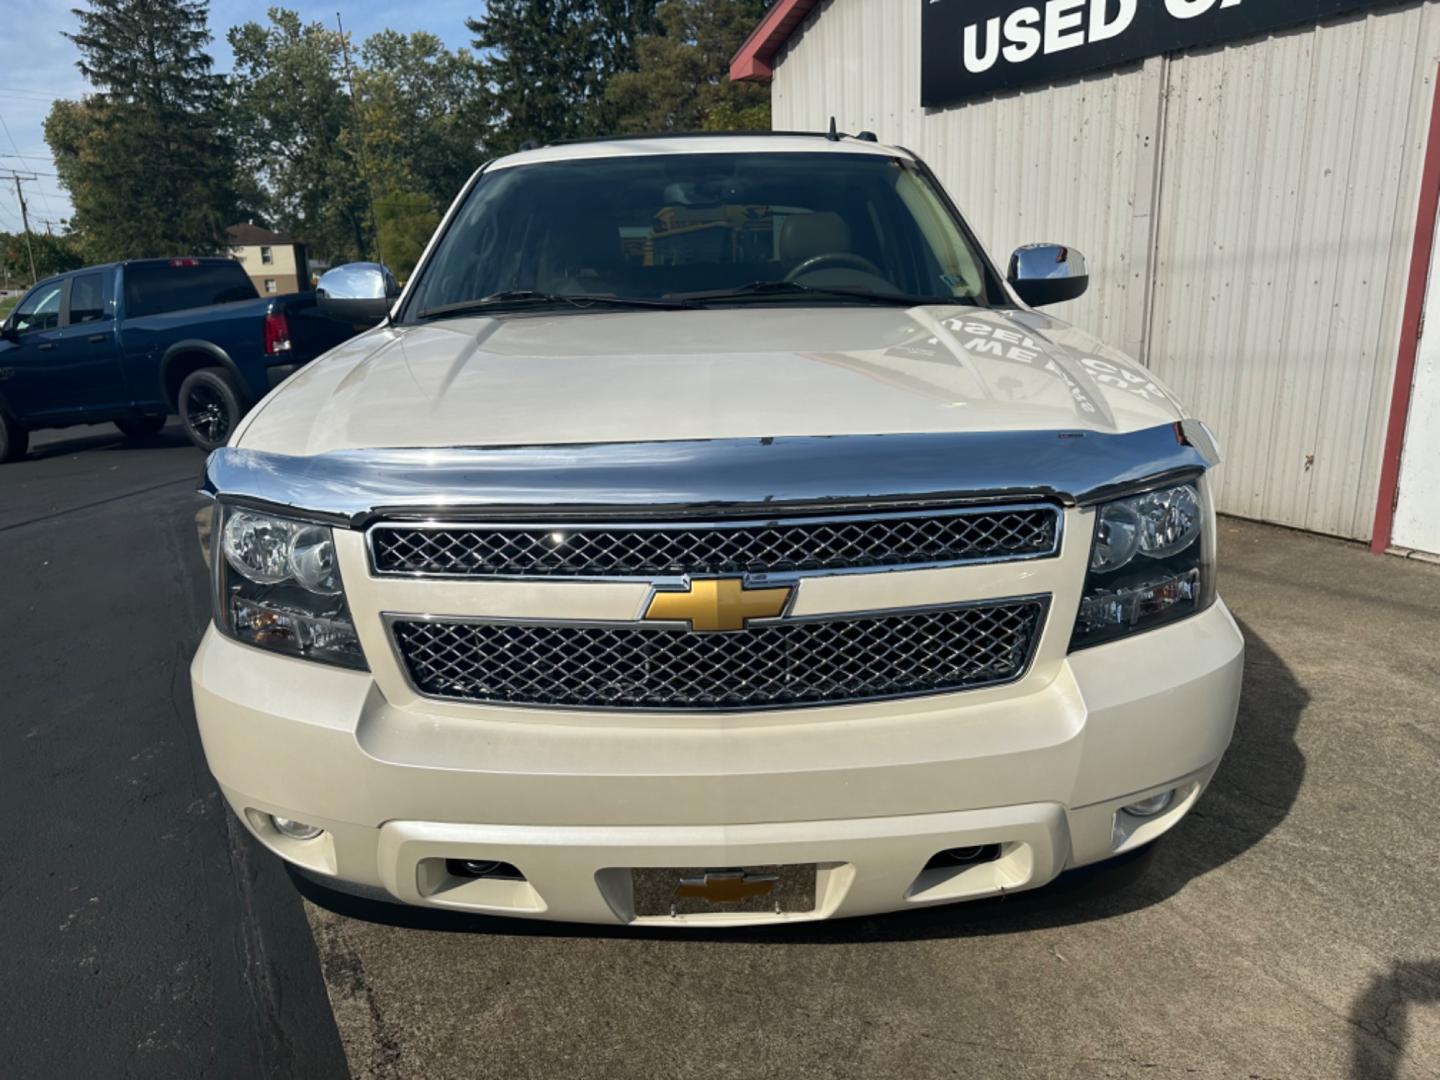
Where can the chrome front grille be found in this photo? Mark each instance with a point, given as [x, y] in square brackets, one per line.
[930, 537]
[788, 663]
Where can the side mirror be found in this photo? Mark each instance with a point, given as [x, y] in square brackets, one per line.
[1044, 274]
[356, 292]
[8, 332]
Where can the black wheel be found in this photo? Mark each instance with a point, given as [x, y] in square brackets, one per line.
[209, 406]
[14, 439]
[141, 427]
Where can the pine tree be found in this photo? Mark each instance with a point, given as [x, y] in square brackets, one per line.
[681, 80]
[145, 157]
[548, 61]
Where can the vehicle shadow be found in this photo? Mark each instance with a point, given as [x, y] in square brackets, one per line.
[1251, 794]
[103, 437]
[1381, 1017]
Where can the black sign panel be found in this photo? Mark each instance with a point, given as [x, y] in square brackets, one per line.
[970, 48]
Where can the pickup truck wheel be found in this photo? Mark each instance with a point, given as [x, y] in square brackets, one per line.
[209, 406]
[14, 439]
[141, 427]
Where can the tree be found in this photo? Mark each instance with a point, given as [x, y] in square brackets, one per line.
[681, 81]
[145, 158]
[423, 112]
[548, 61]
[291, 112]
[53, 255]
[404, 222]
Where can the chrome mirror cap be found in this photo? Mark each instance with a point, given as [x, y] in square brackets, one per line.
[359, 292]
[1048, 274]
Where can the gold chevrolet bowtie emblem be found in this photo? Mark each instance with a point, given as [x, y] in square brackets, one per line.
[714, 604]
[726, 886]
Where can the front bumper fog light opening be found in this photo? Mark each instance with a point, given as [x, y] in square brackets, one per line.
[295, 830]
[482, 868]
[951, 858]
[1148, 808]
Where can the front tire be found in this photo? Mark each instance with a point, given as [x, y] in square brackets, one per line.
[209, 407]
[14, 439]
[141, 427]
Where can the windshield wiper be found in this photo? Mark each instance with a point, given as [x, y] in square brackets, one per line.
[781, 288]
[528, 297]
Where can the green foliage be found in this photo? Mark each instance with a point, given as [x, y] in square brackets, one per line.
[322, 157]
[681, 79]
[290, 115]
[404, 223]
[145, 159]
[422, 113]
[151, 52]
[167, 154]
[548, 62]
[53, 255]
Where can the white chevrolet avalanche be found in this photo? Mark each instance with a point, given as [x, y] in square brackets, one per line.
[710, 535]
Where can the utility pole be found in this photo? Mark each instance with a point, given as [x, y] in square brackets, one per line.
[25, 217]
[359, 138]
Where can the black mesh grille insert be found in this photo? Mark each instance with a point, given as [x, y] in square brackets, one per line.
[789, 663]
[599, 550]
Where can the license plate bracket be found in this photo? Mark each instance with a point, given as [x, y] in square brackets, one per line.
[752, 890]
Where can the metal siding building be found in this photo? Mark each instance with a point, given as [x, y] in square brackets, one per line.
[1249, 212]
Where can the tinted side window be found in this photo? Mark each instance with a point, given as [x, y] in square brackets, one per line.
[87, 299]
[41, 309]
[153, 288]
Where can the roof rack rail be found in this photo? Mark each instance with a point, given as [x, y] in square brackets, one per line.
[707, 135]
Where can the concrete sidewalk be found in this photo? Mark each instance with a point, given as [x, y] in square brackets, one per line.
[1289, 928]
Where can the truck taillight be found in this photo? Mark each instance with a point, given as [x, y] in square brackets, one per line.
[277, 334]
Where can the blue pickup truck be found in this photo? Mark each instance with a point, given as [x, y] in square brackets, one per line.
[136, 342]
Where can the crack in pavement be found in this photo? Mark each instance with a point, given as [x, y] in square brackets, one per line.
[98, 502]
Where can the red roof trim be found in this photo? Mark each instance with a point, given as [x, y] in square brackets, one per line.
[753, 62]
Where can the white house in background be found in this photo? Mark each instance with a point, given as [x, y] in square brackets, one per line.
[275, 263]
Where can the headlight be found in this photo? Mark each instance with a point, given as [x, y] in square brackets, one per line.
[278, 587]
[1151, 562]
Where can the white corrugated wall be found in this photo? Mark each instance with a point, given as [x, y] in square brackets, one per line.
[1248, 212]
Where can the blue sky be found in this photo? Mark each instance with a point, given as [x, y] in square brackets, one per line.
[32, 77]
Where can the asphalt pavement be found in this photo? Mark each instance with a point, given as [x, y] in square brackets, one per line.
[1287, 928]
[143, 932]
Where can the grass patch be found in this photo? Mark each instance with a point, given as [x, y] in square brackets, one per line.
[7, 305]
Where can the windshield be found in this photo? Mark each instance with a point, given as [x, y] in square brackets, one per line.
[702, 229]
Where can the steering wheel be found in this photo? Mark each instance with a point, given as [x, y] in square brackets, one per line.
[834, 258]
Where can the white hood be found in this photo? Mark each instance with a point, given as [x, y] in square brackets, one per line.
[624, 376]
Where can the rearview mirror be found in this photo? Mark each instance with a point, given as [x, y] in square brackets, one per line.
[1044, 274]
[359, 292]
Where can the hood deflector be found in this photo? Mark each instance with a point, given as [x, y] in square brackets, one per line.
[680, 478]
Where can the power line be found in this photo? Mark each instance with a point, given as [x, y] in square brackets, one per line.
[16, 147]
